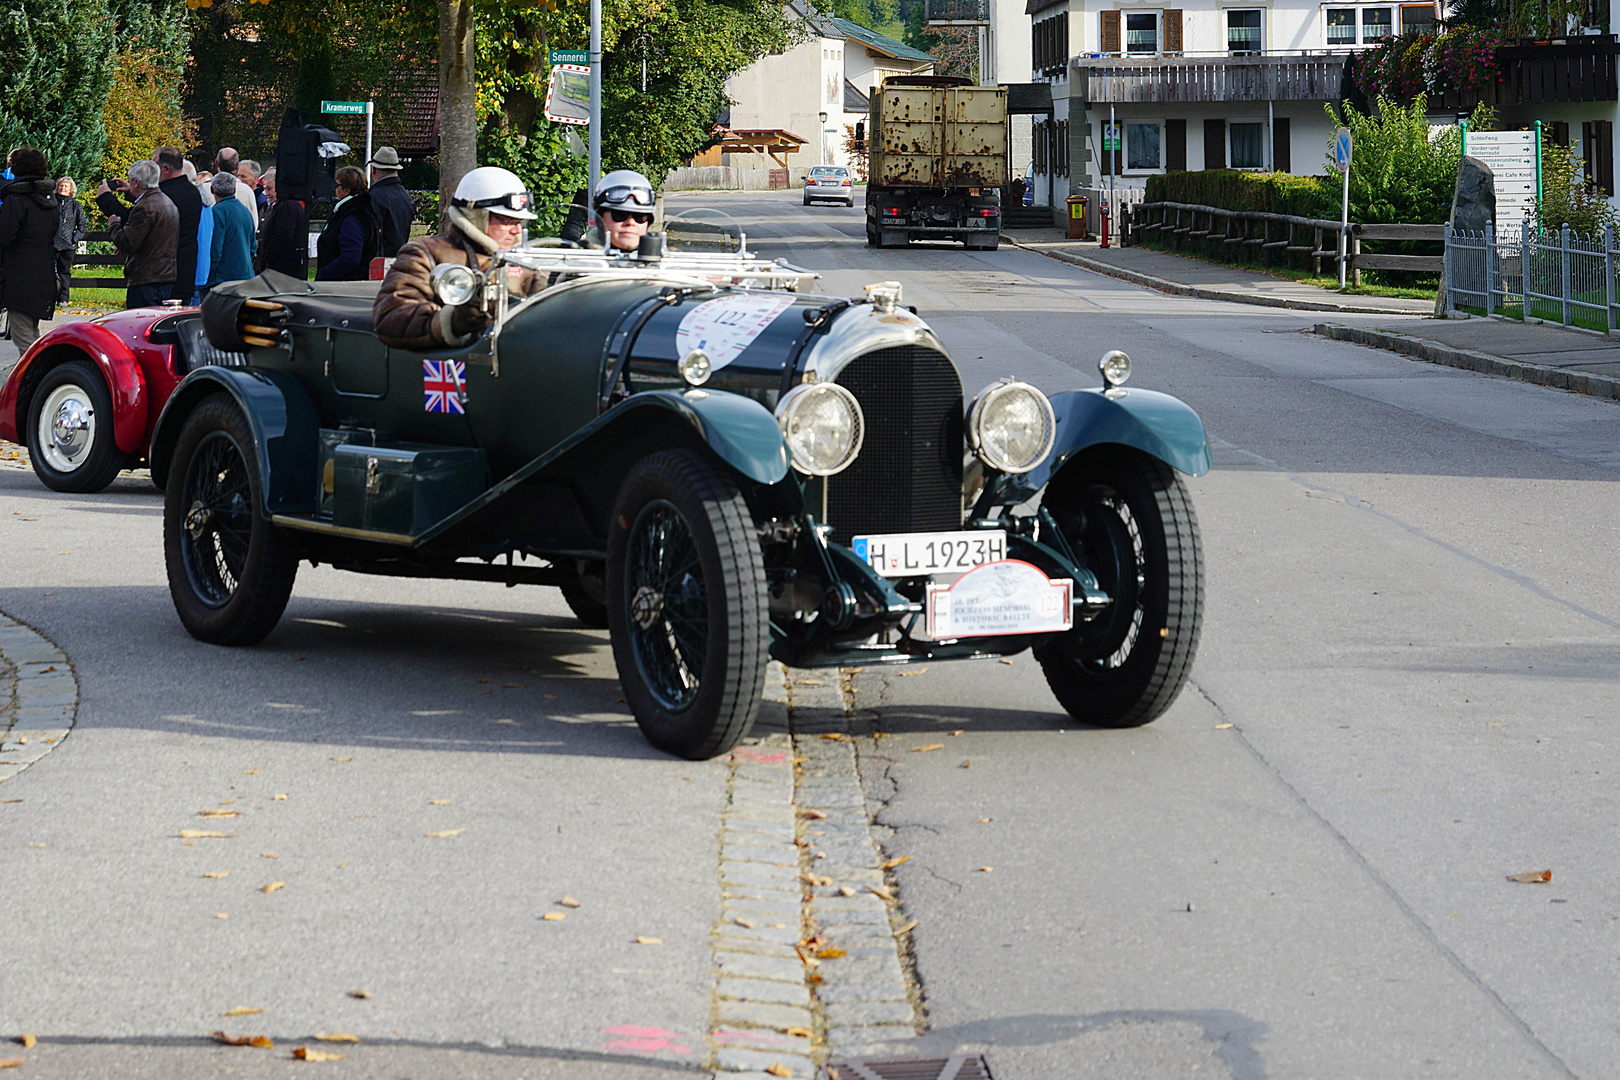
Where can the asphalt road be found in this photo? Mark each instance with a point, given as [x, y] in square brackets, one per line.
[1411, 632]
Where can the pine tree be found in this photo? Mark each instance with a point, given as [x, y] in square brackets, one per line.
[54, 81]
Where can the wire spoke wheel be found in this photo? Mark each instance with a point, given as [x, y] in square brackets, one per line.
[686, 604]
[1129, 520]
[230, 570]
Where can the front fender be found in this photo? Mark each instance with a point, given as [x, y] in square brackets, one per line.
[121, 371]
[740, 430]
[1157, 424]
[285, 426]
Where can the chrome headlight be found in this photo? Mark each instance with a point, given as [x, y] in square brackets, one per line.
[1011, 426]
[823, 427]
[455, 284]
[1115, 367]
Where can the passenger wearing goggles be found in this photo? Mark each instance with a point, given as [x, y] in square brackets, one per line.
[485, 215]
[623, 207]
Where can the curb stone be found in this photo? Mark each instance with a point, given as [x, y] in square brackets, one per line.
[39, 697]
[1580, 382]
[1232, 296]
[770, 901]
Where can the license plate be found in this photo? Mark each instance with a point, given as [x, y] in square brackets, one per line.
[920, 554]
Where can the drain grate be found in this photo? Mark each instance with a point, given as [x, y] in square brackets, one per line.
[959, 1067]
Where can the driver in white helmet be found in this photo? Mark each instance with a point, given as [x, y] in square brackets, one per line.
[623, 207]
[485, 215]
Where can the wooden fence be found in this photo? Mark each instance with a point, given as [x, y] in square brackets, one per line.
[1236, 235]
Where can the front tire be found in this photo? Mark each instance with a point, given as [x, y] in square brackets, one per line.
[230, 570]
[686, 604]
[1130, 521]
[70, 430]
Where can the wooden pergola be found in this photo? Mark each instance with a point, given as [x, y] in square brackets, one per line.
[777, 142]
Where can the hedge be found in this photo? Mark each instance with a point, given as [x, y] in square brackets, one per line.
[1232, 189]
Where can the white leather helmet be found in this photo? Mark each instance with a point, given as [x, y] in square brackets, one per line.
[495, 190]
[624, 189]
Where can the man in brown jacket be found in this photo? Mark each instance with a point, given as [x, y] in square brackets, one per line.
[485, 216]
[147, 233]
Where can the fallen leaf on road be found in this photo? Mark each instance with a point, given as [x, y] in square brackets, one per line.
[27, 1039]
[846, 890]
[203, 834]
[1222, 727]
[925, 749]
[447, 832]
[281, 798]
[361, 994]
[273, 886]
[216, 873]
[569, 901]
[241, 1010]
[1531, 877]
[221, 915]
[876, 735]
[337, 1036]
[268, 855]
[219, 813]
[1007, 662]
[22, 740]
[746, 924]
[958, 731]
[10, 800]
[261, 1041]
[906, 929]
[555, 916]
[808, 682]
[817, 879]
[984, 820]
[35, 843]
[814, 980]
[438, 802]
[47, 670]
[833, 736]
[813, 943]
[986, 869]
[967, 764]
[640, 940]
[813, 815]
[778, 1069]
[831, 952]
[251, 772]
[776, 926]
[880, 891]
[343, 759]
[919, 671]
[11, 1063]
[892, 863]
[304, 1053]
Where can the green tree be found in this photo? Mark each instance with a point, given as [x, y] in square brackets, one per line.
[57, 69]
[1400, 172]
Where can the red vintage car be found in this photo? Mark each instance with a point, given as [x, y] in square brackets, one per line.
[86, 397]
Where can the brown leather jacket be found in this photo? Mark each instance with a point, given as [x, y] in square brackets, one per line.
[409, 315]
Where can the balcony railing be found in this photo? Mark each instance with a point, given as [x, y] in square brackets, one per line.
[1576, 69]
[1184, 79]
[956, 12]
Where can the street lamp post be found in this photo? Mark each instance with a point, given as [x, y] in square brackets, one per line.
[821, 139]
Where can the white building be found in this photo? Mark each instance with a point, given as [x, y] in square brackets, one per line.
[1242, 84]
[817, 88]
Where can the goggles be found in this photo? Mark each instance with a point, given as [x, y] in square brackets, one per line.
[512, 200]
[641, 196]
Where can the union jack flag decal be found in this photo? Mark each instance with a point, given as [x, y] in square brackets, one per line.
[444, 387]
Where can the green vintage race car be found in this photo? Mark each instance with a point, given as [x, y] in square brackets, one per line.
[715, 465]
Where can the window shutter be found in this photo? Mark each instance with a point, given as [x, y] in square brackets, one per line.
[1172, 30]
[1110, 31]
[1175, 145]
[1214, 144]
[1605, 155]
[1559, 132]
[1281, 148]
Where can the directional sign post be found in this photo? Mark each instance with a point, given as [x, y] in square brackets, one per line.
[1342, 148]
[354, 108]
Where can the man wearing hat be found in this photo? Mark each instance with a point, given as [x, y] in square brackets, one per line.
[390, 202]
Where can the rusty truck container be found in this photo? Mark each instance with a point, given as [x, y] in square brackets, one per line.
[938, 136]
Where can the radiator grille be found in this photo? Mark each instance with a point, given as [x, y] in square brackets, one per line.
[908, 477]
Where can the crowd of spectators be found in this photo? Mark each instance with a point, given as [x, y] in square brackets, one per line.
[183, 231]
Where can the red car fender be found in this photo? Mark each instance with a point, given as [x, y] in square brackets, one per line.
[126, 383]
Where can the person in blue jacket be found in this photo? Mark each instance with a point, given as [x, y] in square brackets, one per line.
[345, 248]
[234, 242]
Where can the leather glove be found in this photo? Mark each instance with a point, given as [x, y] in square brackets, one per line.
[469, 319]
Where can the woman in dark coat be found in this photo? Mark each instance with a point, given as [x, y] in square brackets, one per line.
[350, 240]
[28, 224]
[75, 226]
